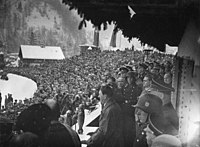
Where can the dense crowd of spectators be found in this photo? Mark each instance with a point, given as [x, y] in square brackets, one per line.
[78, 76]
[75, 82]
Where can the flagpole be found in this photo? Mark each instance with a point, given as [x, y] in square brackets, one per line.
[120, 40]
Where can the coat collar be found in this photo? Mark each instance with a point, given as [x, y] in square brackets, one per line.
[108, 104]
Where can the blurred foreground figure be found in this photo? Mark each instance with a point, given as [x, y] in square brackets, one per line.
[150, 112]
[59, 135]
[35, 119]
[26, 139]
[5, 131]
[166, 140]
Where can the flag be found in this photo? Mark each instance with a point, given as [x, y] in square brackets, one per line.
[96, 37]
[114, 37]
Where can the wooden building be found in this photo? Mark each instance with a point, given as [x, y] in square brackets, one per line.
[35, 55]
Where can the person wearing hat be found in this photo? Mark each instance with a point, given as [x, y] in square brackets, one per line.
[157, 123]
[119, 91]
[156, 72]
[147, 84]
[123, 71]
[109, 133]
[142, 70]
[147, 104]
[166, 140]
[163, 91]
[130, 93]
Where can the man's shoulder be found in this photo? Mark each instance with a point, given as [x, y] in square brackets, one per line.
[115, 107]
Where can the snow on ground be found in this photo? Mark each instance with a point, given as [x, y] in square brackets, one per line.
[20, 87]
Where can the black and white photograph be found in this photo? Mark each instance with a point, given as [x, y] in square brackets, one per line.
[100, 73]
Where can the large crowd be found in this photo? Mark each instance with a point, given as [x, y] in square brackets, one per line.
[75, 84]
[79, 76]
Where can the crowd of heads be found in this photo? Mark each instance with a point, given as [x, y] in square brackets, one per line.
[76, 84]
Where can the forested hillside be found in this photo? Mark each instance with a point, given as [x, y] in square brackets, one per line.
[40, 22]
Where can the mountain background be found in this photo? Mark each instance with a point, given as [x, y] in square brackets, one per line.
[41, 22]
[50, 23]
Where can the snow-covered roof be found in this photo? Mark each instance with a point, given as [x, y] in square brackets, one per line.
[38, 52]
[89, 45]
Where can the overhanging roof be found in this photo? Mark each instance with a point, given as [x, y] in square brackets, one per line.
[38, 52]
[156, 22]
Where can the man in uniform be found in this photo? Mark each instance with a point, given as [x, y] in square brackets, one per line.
[120, 90]
[123, 71]
[142, 70]
[146, 105]
[147, 84]
[163, 91]
[150, 111]
[130, 92]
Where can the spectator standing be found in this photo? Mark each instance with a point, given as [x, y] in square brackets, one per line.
[130, 93]
[68, 118]
[81, 118]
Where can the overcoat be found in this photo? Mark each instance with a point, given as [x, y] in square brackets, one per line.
[109, 133]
